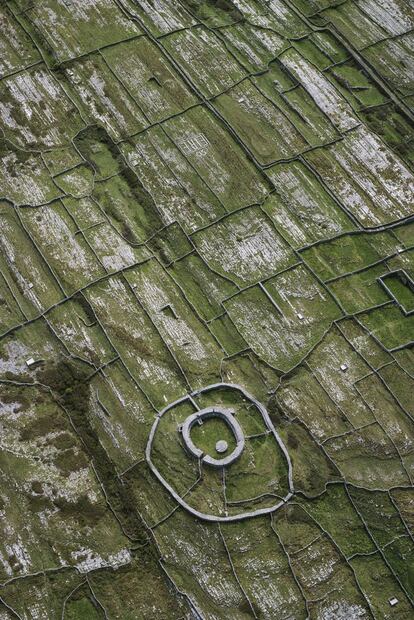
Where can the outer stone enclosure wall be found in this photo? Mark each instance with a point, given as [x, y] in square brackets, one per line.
[220, 489]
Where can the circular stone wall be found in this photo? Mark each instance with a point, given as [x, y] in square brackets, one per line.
[229, 419]
[254, 479]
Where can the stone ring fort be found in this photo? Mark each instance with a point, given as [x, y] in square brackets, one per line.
[221, 446]
[227, 415]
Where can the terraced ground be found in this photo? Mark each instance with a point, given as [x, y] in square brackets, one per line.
[206, 194]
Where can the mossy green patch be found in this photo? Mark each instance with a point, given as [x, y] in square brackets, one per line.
[206, 436]
[335, 514]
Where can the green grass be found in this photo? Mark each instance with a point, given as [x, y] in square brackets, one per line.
[379, 514]
[69, 383]
[82, 608]
[364, 343]
[212, 430]
[401, 291]
[349, 253]
[379, 585]
[227, 335]
[312, 470]
[389, 325]
[204, 287]
[336, 515]
[360, 291]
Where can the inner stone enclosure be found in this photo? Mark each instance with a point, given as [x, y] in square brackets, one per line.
[215, 414]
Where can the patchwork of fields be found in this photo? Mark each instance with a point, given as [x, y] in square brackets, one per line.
[206, 206]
